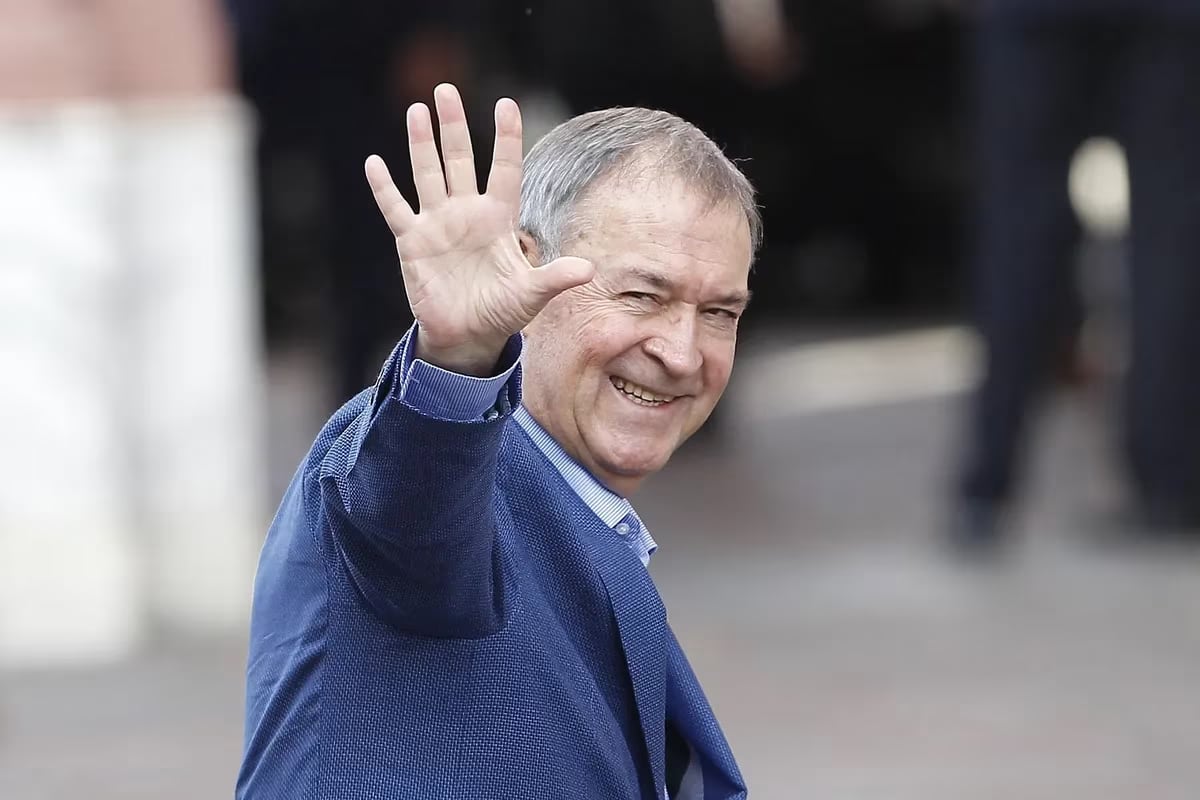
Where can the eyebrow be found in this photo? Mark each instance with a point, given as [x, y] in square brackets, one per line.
[665, 284]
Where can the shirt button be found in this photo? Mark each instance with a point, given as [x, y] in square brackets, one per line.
[623, 528]
[491, 414]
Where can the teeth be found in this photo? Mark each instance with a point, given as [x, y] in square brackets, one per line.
[641, 393]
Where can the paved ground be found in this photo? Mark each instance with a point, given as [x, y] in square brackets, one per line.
[847, 658]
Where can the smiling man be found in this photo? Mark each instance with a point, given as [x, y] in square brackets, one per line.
[453, 600]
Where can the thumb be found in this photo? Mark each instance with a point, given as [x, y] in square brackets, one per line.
[559, 275]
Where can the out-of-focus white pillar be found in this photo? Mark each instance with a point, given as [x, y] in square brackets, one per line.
[70, 586]
[197, 387]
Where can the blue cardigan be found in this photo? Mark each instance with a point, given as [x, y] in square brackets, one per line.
[437, 615]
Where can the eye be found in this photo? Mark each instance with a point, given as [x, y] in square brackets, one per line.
[640, 297]
[722, 313]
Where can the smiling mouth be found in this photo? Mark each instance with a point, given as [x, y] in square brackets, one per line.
[640, 394]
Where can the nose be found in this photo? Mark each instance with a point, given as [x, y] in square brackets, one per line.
[676, 346]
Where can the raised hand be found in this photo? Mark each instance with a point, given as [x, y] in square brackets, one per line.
[469, 285]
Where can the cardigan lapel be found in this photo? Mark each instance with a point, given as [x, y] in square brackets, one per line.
[642, 626]
[640, 615]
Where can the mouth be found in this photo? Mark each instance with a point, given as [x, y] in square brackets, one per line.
[641, 395]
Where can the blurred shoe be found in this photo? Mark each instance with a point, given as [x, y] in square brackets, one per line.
[1171, 519]
[1147, 525]
[977, 530]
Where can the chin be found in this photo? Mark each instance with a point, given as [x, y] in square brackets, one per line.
[636, 463]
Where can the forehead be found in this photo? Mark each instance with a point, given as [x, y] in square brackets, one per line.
[665, 223]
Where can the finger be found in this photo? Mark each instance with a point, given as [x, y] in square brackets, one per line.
[395, 209]
[426, 166]
[456, 141]
[558, 276]
[504, 180]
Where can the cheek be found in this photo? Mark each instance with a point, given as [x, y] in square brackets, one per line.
[718, 365]
[580, 369]
[599, 345]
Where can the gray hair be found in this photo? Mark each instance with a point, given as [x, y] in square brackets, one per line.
[568, 161]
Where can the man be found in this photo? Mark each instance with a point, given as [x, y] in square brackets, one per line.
[1048, 75]
[453, 600]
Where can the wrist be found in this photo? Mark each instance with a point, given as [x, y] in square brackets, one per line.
[476, 359]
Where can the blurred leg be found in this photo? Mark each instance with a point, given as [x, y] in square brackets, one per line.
[195, 394]
[1033, 100]
[1163, 391]
[70, 572]
[197, 398]
[370, 311]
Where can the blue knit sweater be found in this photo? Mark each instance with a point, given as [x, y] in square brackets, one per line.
[437, 615]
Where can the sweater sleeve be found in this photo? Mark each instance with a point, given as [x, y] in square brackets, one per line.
[405, 498]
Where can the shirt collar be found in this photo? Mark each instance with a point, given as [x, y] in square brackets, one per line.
[609, 506]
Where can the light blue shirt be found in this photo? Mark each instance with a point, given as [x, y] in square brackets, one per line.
[461, 398]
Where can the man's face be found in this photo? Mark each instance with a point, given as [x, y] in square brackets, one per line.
[620, 371]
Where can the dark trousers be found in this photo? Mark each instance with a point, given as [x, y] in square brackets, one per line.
[1041, 88]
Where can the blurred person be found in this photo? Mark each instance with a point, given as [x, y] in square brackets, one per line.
[454, 598]
[712, 63]
[128, 344]
[331, 80]
[830, 94]
[1047, 76]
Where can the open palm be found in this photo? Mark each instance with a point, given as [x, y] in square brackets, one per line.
[469, 284]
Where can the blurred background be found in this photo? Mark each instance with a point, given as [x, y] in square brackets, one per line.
[941, 540]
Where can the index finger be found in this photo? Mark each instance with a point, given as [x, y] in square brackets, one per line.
[504, 179]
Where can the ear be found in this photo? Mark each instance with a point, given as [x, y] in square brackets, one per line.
[529, 248]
